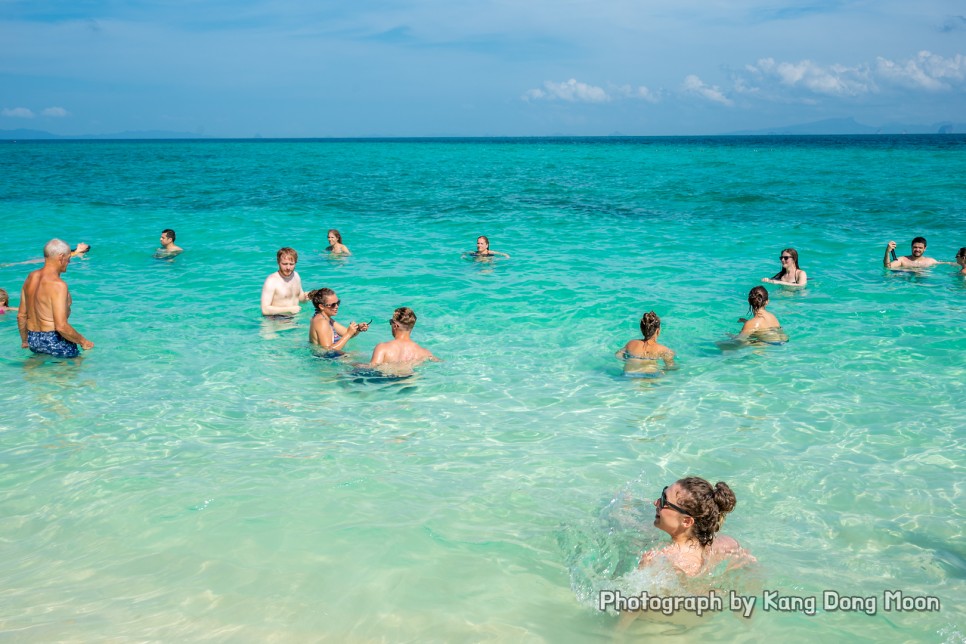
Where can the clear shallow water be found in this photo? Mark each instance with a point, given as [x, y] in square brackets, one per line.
[201, 475]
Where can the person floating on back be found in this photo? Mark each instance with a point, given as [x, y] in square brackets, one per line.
[400, 354]
[80, 252]
[282, 290]
[45, 306]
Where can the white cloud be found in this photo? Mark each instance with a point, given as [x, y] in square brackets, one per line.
[534, 95]
[695, 86]
[834, 80]
[641, 92]
[17, 113]
[56, 112]
[571, 90]
[926, 71]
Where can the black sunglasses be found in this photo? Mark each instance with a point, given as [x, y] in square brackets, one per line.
[336, 303]
[784, 257]
[667, 504]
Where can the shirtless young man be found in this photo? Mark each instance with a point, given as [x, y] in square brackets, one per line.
[168, 247]
[282, 290]
[916, 260]
[401, 349]
[45, 306]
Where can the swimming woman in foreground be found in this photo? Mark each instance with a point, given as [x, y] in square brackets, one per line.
[762, 325]
[961, 260]
[324, 330]
[692, 512]
[790, 274]
[483, 249]
[336, 247]
[641, 356]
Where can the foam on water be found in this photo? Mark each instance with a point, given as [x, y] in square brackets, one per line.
[201, 474]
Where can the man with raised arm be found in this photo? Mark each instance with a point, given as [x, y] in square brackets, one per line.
[282, 290]
[915, 260]
[45, 306]
[401, 350]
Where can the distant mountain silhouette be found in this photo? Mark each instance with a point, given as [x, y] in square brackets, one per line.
[850, 126]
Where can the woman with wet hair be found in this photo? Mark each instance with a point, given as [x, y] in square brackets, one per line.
[761, 321]
[641, 356]
[961, 260]
[790, 274]
[336, 247]
[483, 249]
[692, 512]
[324, 330]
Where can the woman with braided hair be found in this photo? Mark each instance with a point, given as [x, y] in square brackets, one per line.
[692, 512]
[641, 356]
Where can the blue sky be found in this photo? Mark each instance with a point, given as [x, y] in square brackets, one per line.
[287, 68]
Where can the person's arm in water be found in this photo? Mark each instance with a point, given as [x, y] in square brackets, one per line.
[61, 325]
[800, 281]
[22, 314]
[378, 355]
[303, 296]
[668, 359]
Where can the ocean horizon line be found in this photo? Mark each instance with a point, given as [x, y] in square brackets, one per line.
[457, 139]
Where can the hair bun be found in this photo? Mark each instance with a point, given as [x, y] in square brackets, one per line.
[724, 498]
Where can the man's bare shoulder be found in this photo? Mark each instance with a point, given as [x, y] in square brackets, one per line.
[272, 280]
[32, 277]
[424, 353]
[53, 286]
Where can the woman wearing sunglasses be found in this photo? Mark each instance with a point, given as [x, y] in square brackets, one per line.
[692, 512]
[324, 330]
[790, 274]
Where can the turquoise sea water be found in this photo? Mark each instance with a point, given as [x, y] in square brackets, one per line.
[200, 475]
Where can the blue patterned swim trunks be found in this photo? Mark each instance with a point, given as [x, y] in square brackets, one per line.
[52, 343]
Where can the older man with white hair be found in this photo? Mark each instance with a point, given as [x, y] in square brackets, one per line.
[45, 306]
